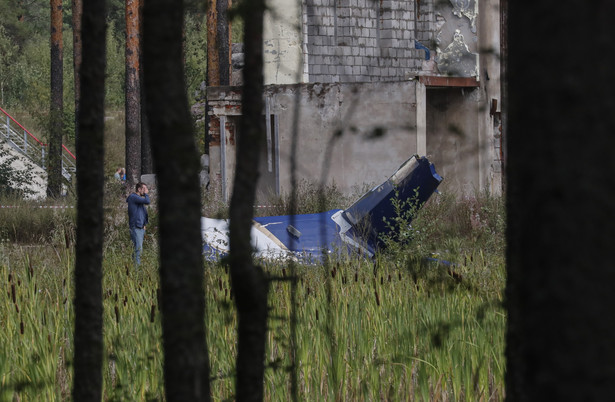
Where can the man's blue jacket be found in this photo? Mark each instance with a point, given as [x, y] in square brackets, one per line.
[137, 213]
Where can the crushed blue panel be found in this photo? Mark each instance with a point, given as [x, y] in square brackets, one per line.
[356, 230]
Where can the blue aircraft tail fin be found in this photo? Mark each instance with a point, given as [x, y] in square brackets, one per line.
[412, 184]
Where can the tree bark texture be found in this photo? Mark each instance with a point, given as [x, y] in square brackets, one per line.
[248, 281]
[223, 41]
[186, 370]
[213, 63]
[77, 7]
[561, 127]
[88, 355]
[133, 95]
[56, 127]
[147, 159]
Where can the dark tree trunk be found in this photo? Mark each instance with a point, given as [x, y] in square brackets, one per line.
[213, 67]
[133, 95]
[147, 159]
[56, 127]
[88, 356]
[223, 41]
[559, 294]
[77, 6]
[186, 370]
[248, 281]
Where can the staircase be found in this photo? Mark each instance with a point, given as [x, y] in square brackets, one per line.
[27, 144]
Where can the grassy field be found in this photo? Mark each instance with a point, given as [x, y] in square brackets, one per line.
[396, 328]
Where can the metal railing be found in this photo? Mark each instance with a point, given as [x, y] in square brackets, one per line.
[27, 144]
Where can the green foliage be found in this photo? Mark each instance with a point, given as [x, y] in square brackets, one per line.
[24, 57]
[401, 233]
[116, 68]
[447, 223]
[24, 19]
[8, 52]
[195, 52]
[26, 82]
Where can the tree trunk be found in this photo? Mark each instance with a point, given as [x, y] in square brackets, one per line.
[186, 370]
[133, 95]
[147, 160]
[560, 207]
[223, 41]
[77, 6]
[88, 356]
[56, 127]
[213, 68]
[248, 281]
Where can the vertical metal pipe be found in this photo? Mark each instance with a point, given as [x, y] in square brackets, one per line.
[276, 134]
[223, 156]
[268, 130]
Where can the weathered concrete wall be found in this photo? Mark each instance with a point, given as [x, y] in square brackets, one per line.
[378, 126]
[457, 37]
[452, 140]
[365, 40]
[464, 127]
[368, 47]
[282, 42]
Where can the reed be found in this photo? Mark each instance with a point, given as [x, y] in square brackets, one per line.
[395, 328]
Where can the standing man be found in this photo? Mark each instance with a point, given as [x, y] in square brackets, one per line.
[137, 217]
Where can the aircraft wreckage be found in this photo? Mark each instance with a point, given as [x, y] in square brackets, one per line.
[359, 229]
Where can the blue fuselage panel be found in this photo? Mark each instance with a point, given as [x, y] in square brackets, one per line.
[311, 232]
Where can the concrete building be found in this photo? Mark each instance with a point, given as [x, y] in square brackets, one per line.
[380, 81]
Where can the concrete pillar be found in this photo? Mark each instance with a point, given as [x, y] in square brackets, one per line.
[490, 169]
[421, 119]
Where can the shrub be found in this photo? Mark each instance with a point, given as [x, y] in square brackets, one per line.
[449, 227]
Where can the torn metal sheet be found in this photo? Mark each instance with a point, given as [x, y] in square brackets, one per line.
[358, 229]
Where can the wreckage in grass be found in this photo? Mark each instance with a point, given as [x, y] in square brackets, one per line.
[359, 229]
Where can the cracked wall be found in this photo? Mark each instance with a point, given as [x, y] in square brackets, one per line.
[457, 38]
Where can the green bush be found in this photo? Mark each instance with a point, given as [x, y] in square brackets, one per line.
[451, 241]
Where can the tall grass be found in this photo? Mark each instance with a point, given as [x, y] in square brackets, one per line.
[396, 328]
